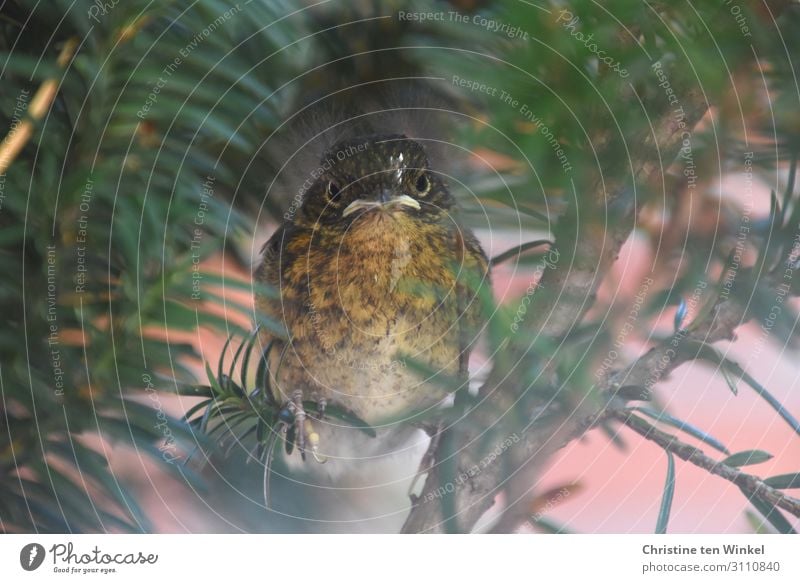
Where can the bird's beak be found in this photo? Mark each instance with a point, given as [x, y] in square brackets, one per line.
[362, 204]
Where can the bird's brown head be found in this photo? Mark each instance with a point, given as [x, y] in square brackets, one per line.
[374, 175]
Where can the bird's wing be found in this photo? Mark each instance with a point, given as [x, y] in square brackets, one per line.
[268, 274]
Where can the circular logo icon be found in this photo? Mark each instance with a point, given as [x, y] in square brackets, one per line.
[31, 556]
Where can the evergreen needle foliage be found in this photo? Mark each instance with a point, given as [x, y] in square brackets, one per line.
[138, 149]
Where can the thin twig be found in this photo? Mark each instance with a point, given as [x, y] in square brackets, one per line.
[752, 485]
[16, 139]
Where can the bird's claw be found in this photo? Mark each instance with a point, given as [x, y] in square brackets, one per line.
[322, 404]
[305, 435]
[299, 422]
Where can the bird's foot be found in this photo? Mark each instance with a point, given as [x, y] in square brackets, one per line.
[299, 429]
[322, 405]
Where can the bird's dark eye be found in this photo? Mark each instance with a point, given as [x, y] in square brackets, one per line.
[423, 185]
[333, 191]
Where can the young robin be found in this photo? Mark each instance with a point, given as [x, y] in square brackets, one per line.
[373, 269]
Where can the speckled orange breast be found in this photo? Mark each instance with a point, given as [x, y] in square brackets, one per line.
[367, 300]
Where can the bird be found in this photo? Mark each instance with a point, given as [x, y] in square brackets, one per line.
[371, 270]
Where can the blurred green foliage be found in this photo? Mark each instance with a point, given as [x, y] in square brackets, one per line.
[152, 159]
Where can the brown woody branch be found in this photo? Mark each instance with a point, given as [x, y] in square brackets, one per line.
[750, 484]
[719, 324]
